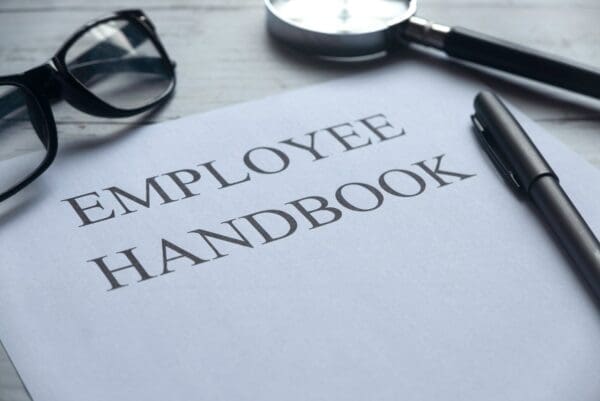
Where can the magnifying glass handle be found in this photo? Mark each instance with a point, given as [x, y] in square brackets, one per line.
[503, 55]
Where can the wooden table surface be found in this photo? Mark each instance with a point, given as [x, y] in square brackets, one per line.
[224, 56]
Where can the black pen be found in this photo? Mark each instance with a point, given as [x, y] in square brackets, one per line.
[526, 170]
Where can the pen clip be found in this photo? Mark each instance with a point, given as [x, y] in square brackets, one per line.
[494, 155]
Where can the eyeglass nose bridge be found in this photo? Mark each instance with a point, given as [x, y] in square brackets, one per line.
[45, 81]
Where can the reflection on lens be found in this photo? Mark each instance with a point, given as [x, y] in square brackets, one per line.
[23, 137]
[118, 62]
[341, 16]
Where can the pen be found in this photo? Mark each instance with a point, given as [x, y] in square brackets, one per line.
[526, 170]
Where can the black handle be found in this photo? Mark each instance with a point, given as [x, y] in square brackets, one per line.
[486, 50]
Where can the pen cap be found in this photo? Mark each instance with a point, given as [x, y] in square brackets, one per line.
[510, 142]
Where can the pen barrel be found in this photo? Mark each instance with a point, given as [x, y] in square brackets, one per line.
[573, 232]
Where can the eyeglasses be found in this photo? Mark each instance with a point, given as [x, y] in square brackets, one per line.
[112, 67]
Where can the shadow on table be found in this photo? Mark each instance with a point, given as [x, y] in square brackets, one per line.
[518, 89]
[123, 128]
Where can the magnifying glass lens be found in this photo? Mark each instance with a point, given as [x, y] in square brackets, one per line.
[341, 16]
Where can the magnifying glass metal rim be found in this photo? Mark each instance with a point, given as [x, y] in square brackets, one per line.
[329, 44]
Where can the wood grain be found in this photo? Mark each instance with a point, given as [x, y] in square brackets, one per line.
[224, 57]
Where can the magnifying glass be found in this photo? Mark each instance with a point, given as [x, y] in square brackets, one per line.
[346, 29]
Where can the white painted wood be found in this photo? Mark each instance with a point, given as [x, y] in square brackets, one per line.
[224, 56]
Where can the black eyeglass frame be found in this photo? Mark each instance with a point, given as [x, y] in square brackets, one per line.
[53, 81]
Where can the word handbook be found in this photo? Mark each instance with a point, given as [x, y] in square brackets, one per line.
[348, 241]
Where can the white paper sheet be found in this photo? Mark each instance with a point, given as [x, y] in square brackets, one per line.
[458, 293]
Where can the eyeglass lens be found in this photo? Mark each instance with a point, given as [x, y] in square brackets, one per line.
[23, 136]
[119, 63]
